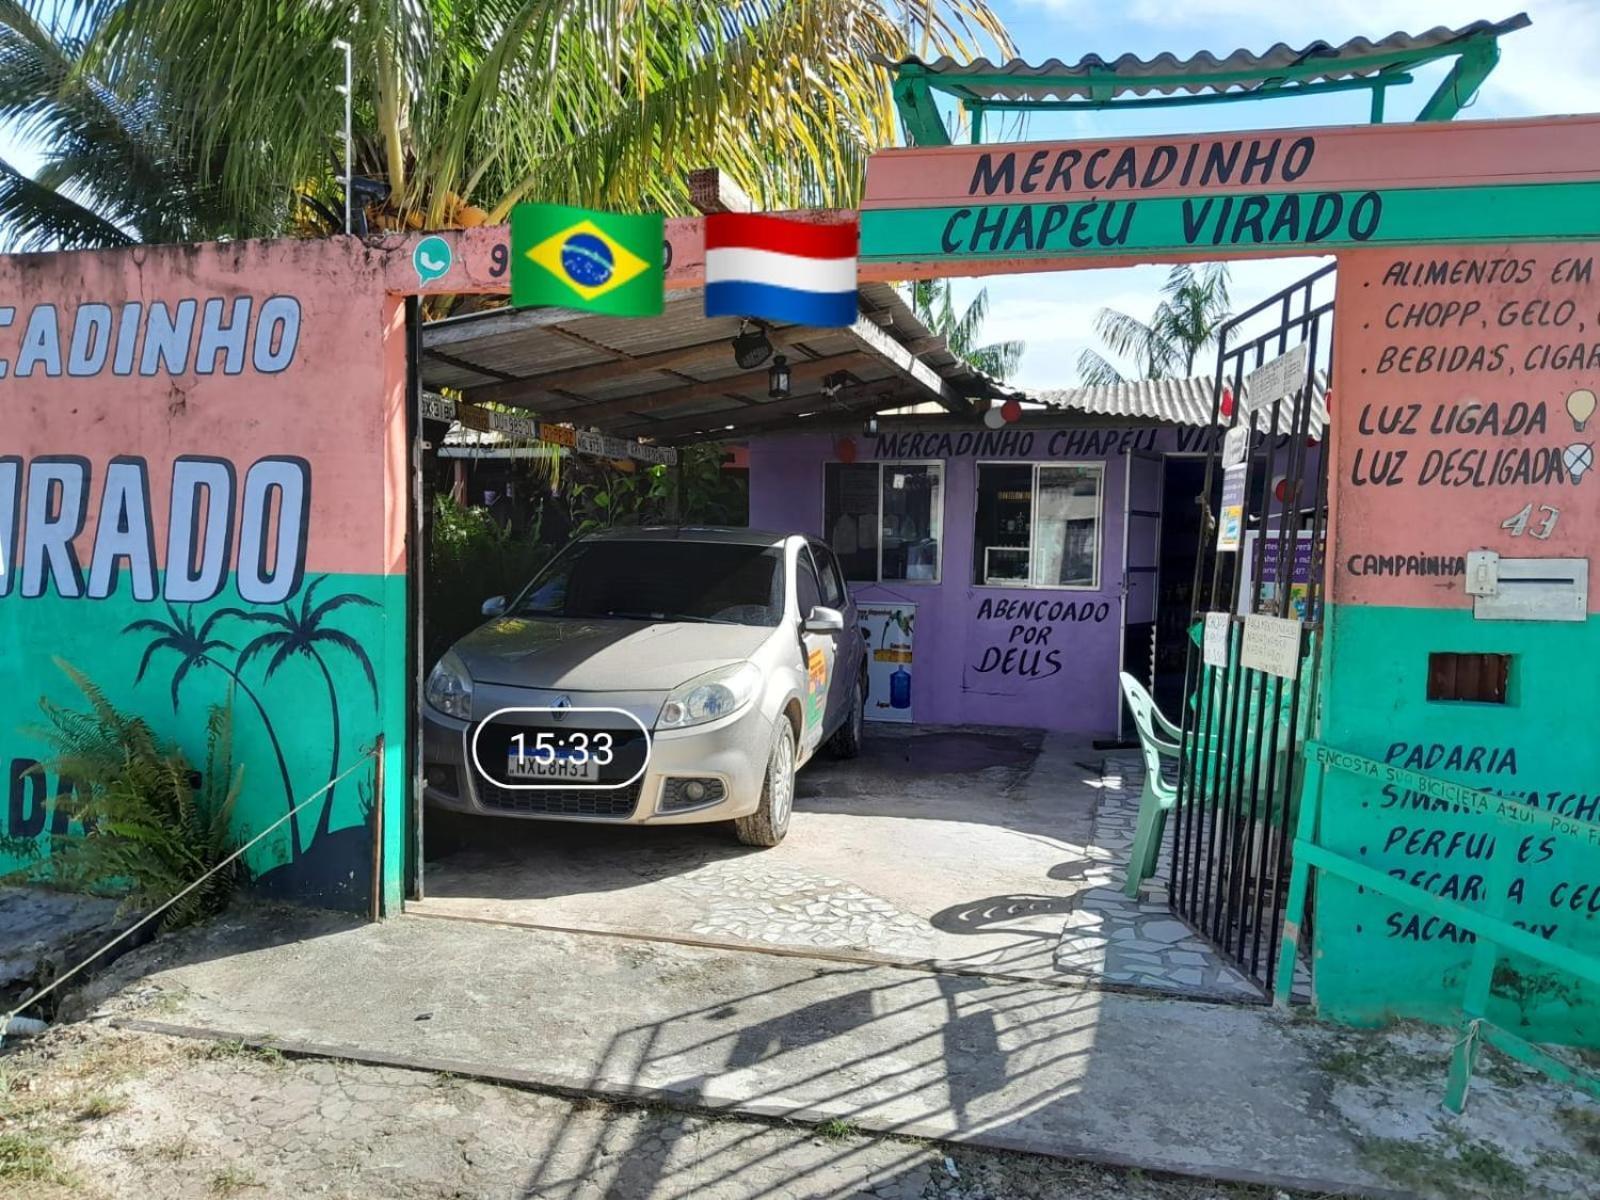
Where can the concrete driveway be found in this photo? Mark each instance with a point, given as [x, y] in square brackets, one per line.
[970, 846]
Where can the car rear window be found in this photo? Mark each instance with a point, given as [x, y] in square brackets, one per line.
[661, 581]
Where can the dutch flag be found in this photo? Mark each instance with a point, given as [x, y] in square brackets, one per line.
[780, 269]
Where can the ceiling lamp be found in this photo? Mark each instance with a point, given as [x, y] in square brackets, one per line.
[778, 379]
[750, 346]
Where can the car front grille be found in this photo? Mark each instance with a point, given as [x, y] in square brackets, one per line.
[615, 804]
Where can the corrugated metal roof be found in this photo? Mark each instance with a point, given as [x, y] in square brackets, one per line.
[1056, 80]
[527, 357]
[1176, 401]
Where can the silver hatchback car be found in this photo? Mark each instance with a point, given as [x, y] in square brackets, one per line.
[661, 676]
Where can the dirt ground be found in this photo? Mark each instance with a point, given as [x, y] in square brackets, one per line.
[89, 1112]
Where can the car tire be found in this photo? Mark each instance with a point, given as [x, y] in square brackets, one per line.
[846, 740]
[767, 825]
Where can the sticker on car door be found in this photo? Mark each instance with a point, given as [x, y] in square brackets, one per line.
[816, 688]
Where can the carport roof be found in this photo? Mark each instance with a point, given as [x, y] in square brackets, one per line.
[673, 378]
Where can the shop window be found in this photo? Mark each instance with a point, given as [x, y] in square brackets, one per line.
[885, 521]
[1038, 525]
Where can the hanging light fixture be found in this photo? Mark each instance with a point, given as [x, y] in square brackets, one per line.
[778, 379]
[750, 346]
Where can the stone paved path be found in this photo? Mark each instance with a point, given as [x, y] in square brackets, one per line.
[1136, 941]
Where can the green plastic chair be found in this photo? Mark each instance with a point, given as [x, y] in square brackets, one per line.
[1159, 741]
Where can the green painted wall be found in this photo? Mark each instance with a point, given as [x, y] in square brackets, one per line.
[1377, 960]
[287, 713]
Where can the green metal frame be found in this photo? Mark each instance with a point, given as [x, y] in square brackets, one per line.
[1494, 933]
[915, 87]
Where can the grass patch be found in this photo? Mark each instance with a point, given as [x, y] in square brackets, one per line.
[1467, 1171]
[836, 1129]
[232, 1180]
[97, 1106]
[244, 1050]
[1583, 1124]
[25, 1158]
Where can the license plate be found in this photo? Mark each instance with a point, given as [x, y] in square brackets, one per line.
[577, 767]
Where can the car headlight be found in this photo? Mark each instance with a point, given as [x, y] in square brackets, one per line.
[711, 696]
[449, 687]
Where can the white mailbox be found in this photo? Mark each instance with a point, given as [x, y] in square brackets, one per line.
[1527, 589]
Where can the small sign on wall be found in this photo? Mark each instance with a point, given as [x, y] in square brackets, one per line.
[1214, 651]
[888, 629]
[1230, 521]
[1271, 644]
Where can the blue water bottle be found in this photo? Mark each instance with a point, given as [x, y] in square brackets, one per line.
[900, 688]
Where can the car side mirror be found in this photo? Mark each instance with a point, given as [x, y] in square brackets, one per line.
[494, 606]
[824, 620]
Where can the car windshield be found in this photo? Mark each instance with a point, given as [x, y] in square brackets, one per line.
[720, 582]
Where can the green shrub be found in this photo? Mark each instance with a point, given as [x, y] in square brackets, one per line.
[471, 557]
[151, 824]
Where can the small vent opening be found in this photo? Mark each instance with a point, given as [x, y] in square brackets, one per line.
[1480, 678]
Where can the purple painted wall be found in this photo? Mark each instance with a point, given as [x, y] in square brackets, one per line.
[964, 671]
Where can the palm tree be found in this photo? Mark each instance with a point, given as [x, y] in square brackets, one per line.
[111, 175]
[464, 107]
[302, 634]
[1193, 308]
[934, 306]
[197, 648]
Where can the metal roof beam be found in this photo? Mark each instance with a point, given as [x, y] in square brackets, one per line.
[919, 115]
[1457, 89]
[532, 390]
[811, 371]
[725, 422]
[1373, 83]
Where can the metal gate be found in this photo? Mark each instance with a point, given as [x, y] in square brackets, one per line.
[1250, 683]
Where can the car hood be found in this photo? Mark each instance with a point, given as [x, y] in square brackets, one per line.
[602, 655]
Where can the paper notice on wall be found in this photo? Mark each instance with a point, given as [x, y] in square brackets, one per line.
[888, 630]
[1271, 644]
[1276, 379]
[1230, 522]
[1235, 445]
[1214, 650]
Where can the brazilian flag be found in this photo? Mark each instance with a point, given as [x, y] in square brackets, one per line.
[599, 262]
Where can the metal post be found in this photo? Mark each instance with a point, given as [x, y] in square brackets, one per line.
[349, 155]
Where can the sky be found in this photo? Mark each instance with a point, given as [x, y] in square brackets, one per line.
[1551, 67]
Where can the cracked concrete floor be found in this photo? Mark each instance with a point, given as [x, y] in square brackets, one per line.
[118, 1114]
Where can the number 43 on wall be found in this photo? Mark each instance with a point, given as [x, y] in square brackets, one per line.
[1518, 522]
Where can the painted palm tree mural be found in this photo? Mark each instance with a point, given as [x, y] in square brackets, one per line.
[300, 629]
[305, 633]
[198, 649]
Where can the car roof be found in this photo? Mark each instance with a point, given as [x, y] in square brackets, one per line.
[727, 534]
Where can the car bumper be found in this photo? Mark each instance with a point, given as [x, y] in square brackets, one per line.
[729, 755]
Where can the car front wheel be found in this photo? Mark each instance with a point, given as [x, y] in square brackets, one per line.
[767, 825]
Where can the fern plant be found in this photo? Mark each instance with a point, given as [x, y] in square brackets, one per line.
[151, 824]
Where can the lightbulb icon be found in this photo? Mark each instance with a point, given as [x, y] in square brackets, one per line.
[1578, 458]
[1580, 407]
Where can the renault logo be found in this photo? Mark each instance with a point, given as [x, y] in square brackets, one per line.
[560, 707]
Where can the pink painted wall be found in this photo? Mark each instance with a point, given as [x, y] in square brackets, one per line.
[1452, 414]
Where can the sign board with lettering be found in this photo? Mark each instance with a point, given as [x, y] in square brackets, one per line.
[1271, 644]
[1283, 376]
[1465, 422]
[1270, 190]
[1215, 647]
